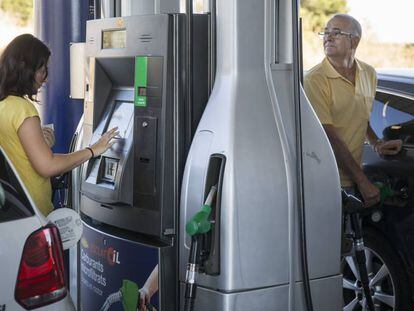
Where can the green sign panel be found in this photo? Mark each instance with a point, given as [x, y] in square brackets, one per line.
[140, 88]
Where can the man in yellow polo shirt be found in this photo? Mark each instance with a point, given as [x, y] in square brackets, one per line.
[341, 90]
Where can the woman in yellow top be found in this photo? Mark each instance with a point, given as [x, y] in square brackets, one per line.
[23, 70]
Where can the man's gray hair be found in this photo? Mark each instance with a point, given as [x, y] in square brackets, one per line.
[355, 25]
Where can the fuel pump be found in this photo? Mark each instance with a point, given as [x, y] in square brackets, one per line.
[260, 142]
[254, 147]
[136, 71]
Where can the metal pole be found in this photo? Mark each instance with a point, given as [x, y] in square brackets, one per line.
[212, 45]
[189, 66]
[299, 159]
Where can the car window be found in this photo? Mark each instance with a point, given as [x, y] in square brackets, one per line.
[392, 115]
[14, 203]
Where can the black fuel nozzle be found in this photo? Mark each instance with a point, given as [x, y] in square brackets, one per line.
[191, 273]
[351, 204]
[353, 207]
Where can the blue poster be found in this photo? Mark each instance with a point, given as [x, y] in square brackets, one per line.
[116, 274]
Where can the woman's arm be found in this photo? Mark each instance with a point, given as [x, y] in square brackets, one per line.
[42, 158]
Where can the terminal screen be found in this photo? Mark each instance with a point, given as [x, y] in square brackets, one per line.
[113, 39]
[122, 116]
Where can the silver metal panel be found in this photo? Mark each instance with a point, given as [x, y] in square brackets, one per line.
[325, 294]
[146, 35]
[77, 70]
[167, 6]
[256, 193]
[137, 7]
[285, 47]
[322, 196]
[252, 117]
[110, 8]
[282, 76]
[73, 274]
[322, 212]
[325, 298]
[141, 7]
[267, 299]
[75, 186]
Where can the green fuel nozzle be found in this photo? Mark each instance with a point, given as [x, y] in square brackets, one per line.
[200, 223]
[130, 295]
[197, 225]
[385, 191]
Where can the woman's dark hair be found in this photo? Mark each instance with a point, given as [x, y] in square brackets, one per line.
[18, 64]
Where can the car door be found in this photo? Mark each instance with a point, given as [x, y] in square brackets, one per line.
[392, 118]
[17, 221]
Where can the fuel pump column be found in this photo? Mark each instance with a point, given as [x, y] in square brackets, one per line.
[132, 88]
[135, 81]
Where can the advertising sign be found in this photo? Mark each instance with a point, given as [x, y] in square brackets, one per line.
[116, 274]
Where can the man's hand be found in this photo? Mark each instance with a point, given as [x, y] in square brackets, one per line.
[390, 147]
[370, 193]
[49, 136]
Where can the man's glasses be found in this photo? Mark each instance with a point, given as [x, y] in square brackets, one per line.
[335, 33]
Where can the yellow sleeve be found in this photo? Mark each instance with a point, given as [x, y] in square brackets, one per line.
[22, 110]
[375, 83]
[316, 89]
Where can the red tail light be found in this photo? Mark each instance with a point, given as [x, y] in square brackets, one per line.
[41, 278]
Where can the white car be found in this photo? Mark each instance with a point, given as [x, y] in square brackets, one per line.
[32, 273]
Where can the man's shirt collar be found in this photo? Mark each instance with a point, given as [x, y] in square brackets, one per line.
[331, 72]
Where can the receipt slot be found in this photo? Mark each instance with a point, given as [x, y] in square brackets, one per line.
[136, 81]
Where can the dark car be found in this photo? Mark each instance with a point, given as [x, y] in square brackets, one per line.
[389, 229]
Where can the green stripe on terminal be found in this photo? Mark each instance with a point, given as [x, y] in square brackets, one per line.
[140, 88]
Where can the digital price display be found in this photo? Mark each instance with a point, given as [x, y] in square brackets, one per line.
[114, 39]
